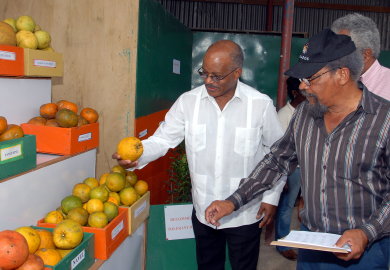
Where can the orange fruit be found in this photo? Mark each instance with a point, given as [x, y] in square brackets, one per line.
[128, 196]
[91, 182]
[33, 262]
[52, 123]
[64, 104]
[13, 249]
[118, 169]
[103, 178]
[111, 210]
[68, 234]
[12, 132]
[82, 191]
[54, 217]
[90, 115]
[78, 214]
[46, 239]
[32, 237]
[3, 124]
[38, 121]
[130, 148]
[70, 202]
[100, 193]
[48, 110]
[50, 256]
[114, 200]
[66, 118]
[115, 181]
[64, 252]
[141, 187]
[94, 205]
[131, 177]
[98, 220]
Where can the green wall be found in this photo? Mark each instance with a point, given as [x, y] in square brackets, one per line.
[261, 57]
[384, 58]
[161, 39]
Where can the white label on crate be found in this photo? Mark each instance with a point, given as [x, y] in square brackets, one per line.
[7, 55]
[85, 137]
[78, 259]
[45, 63]
[11, 152]
[143, 133]
[117, 230]
[140, 209]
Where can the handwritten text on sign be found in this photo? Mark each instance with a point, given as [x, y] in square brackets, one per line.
[178, 224]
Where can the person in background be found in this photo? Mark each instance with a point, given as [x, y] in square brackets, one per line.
[292, 187]
[341, 140]
[365, 35]
[228, 127]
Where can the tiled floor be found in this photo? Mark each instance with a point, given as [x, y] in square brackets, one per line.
[270, 259]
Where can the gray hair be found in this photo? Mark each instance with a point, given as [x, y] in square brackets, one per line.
[353, 61]
[363, 31]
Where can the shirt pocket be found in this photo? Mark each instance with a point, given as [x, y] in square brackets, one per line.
[196, 137]
[247, 141]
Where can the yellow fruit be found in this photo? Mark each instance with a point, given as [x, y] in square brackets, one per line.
[37, 28]
[114, 197]
[94, 205]
[78, 214]
[118, 169]
[43, 39]
[91, 182]
[82, 191]
[130, 148]
[12, 23]
[141, 187]
[98, 220]
[66, 118]
[67, 234]
[46, 239]
[64, 252]
[115, 181]
[131, 177]
[128, 196]
[26, 39]
[7, 34]
[32, 237]
[103, 178]
[70, 202]
[100, 193]
[50, 256]
[25, 23]
[111, 210]
[48, 49]
[54, 217]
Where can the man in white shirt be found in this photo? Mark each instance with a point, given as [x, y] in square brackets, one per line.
[365, 34]
[228, 127]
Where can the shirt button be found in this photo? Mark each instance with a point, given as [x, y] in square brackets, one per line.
[323, 190]
[324, 167]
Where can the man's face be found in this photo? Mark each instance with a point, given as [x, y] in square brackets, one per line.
[321, 91]
[219, 64]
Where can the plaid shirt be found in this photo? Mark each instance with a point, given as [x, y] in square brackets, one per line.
[345, 175]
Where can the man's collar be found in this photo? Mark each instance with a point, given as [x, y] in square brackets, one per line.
[368, 103]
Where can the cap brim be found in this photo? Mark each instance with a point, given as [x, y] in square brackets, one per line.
[304, 70]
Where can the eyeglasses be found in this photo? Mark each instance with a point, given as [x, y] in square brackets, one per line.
[307, 81]
[214, 78]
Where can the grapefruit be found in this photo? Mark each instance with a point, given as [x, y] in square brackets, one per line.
[46, 239]
[50, 256]
[33, 262]
[82, 191]
[100, 193]
[98, 220]
[26, 39]
[54, 217]
[118, 169]
[115, 181]
[91, 182]
[32, 237]
[78, 214]
[128, 196]
[111, 210]
[25, 23]
[94, 205]
[141, 187]
[13, 249]
[131, 177]
[67, 234]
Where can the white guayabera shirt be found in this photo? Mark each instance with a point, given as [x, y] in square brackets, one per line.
[222, 146]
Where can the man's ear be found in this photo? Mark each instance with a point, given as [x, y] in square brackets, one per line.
[344, 75]
[367, 54]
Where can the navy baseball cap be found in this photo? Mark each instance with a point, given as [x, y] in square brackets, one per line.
[321, 49]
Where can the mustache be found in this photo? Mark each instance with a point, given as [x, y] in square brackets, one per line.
[306, 94]
[211, 85]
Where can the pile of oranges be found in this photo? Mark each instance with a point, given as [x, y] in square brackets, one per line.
[64, 113]
[95, 202]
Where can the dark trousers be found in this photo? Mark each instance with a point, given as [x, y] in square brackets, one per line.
[243, 246]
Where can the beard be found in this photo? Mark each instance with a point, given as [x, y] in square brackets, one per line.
[317, 109]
